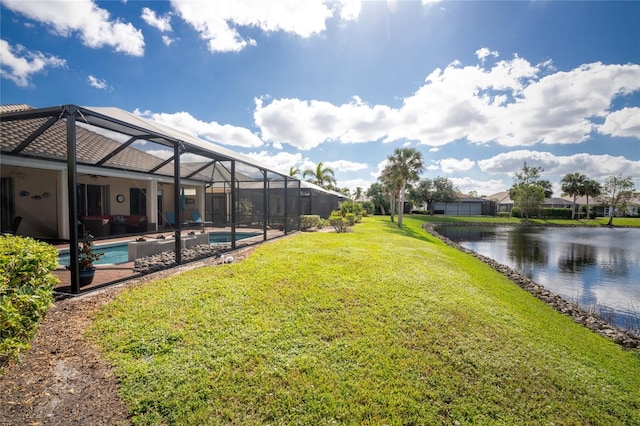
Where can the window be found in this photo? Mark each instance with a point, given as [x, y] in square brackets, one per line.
[137, 201]
[93, 200]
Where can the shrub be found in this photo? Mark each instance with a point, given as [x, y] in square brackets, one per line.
[555, 213]
[516, 212]
[504, 214]
[339, 222]
[309, 221]
[368, 208]
[351, 219]
[26, 291]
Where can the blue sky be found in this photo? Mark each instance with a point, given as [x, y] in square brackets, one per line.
[477, 87]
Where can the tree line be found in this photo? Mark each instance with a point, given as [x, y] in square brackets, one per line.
[400, 181]
[529, 191]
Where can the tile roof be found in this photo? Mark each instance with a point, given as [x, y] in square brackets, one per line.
[91, 147]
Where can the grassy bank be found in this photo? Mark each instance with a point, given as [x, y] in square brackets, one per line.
[378, 326]
[599, 221]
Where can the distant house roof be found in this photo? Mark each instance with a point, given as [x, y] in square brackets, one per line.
[500, 197]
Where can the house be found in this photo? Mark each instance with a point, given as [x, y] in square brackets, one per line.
[65, 169]
[465, 206]
[504, 203]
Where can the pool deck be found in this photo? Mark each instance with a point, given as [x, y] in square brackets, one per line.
[115, 273]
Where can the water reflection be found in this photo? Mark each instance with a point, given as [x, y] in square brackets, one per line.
[598, 268]
[577, 257]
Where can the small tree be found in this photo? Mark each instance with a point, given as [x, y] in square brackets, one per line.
[616, 193]
[377, 194]
[528, 190]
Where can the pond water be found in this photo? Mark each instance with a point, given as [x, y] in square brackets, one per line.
[597, 268]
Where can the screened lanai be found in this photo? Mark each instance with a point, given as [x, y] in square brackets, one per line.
[68, 171]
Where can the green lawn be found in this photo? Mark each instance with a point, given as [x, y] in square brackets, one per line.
[377, 326]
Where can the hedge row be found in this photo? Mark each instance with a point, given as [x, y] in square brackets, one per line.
[26, 290]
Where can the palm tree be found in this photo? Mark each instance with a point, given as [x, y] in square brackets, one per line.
[590, 188]
[571, 185]
[406, 165]
[294, 171]
[391, 185]
[358, 193]
[321, 176]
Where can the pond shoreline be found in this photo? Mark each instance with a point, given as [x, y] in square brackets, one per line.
[588, 319]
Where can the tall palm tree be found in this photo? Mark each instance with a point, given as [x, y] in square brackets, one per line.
[391, 185]
[406, 165]
[590, 188]
[571, 185]
[294, 171]
[321, 176]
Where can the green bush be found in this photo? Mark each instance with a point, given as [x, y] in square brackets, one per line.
[309, 221]
[351, 207]
[26, 290]
[351, 219]
[339, 222]
[368, 208]
[516, 212]
[555, 213]
[504, 214]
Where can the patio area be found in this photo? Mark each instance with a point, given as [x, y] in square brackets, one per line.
[113, 273]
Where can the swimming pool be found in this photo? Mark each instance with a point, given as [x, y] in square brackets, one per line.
[113, 253]
[119, 252]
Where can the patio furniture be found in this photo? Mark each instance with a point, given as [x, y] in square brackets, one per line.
[196, 221]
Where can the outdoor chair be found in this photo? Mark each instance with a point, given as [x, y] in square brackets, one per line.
[196, 220]
[171, 220]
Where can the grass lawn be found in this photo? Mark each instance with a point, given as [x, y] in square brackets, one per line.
[377, 326]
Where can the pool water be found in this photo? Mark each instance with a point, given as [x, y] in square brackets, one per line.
[119, 252]
[113, 253]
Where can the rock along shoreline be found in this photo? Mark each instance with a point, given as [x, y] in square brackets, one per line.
[588, 319]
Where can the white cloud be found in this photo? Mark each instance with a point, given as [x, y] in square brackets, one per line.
[281, 161]
[93, 24]
[307, 124]
[350, 9]
[379, 168]
[225, 134]
[512, 103]
[452, 165]
[482, 187]
[483, 53]
[97, 83]
[163, 23]
[341, 166]
[352, 184]
[594, 166]
[19, 64]
[168, 41]
[220, 22]
[622, 123]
